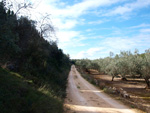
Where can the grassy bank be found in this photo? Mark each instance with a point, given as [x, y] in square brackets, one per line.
[19, 95]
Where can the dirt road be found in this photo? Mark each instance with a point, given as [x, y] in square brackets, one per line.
[83, 97]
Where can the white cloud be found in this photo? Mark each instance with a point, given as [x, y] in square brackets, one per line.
[141, 26]
[67, 17]
[115, 44]
[71, 40]
[119, 43]
[81, 8]
[71, 11]
[66, 36]
[64, 24]
[89, 53]
[145, 30]
[88, 30]
[96, 22]
[129, 7]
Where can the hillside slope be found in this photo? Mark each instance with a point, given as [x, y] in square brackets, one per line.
[18, 95]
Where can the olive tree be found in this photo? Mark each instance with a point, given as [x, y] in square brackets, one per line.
[145, 70]
[112, 69]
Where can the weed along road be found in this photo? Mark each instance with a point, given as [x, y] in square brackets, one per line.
[83, 97]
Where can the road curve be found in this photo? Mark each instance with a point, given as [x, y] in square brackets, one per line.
[83, 97]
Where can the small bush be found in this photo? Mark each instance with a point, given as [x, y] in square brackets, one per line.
[108, 90]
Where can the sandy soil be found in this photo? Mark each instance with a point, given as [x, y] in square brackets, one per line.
[83, 97]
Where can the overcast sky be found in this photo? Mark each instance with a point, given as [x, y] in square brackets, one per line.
[93, 28]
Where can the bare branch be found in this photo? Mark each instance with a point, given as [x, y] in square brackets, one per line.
[46, 28]
[23, 6]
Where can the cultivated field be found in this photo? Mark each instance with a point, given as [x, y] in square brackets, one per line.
[139, 97]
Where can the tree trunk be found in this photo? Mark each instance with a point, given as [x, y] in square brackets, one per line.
[112, 78]
[124, 79]
[147, 83]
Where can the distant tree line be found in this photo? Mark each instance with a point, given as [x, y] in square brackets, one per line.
[126, 63]
[24, 50]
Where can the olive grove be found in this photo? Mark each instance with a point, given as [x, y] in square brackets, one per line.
[123, 64]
